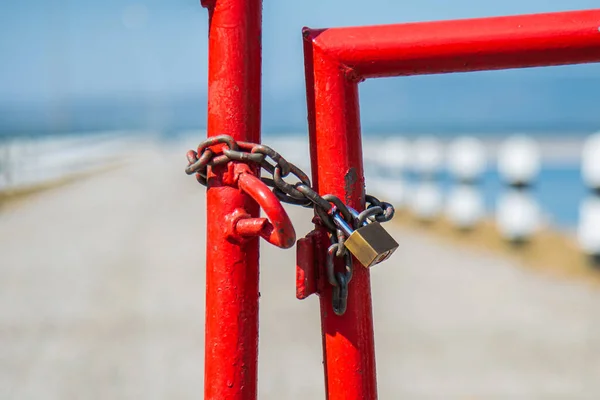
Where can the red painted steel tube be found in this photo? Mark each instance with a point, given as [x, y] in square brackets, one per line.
[234, 98]
[336, 60]
[463, 45]
[336, 157]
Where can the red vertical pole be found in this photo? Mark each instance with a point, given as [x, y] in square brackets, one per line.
[234, 98]
[336, 157]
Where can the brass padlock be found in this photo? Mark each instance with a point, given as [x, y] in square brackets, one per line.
[370, 243]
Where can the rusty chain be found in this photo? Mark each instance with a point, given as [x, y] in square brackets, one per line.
[299, 193]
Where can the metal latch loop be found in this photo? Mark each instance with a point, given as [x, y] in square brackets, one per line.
[278, 230]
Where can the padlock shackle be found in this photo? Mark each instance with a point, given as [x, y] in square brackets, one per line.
[341, 223]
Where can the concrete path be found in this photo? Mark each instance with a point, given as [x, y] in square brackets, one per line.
[102, 293]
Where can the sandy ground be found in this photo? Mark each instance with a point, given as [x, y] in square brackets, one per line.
[102, 293]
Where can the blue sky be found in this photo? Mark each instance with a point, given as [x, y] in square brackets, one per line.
[53, 49]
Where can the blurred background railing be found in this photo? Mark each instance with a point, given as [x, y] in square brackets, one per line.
[30, 161]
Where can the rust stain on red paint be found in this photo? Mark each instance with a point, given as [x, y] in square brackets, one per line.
[350, 180]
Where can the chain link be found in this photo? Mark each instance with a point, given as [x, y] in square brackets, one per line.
[339, 280]
[299, 193]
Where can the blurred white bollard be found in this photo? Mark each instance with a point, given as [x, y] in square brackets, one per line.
[519, 160]
[394, 154]
[588, 232]
[464, 206]
[517, 215]
[590, 162]
[4, 164]
[394, 191]
[385, 164]
[427, 156]
[467, 159]
[426, 160]
[426, 201]
[371, 150]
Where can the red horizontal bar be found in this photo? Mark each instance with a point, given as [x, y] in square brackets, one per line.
[463, 45]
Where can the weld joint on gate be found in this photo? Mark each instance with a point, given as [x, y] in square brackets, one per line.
[351, 74]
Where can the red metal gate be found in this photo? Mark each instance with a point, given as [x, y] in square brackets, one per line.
[336, 60]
